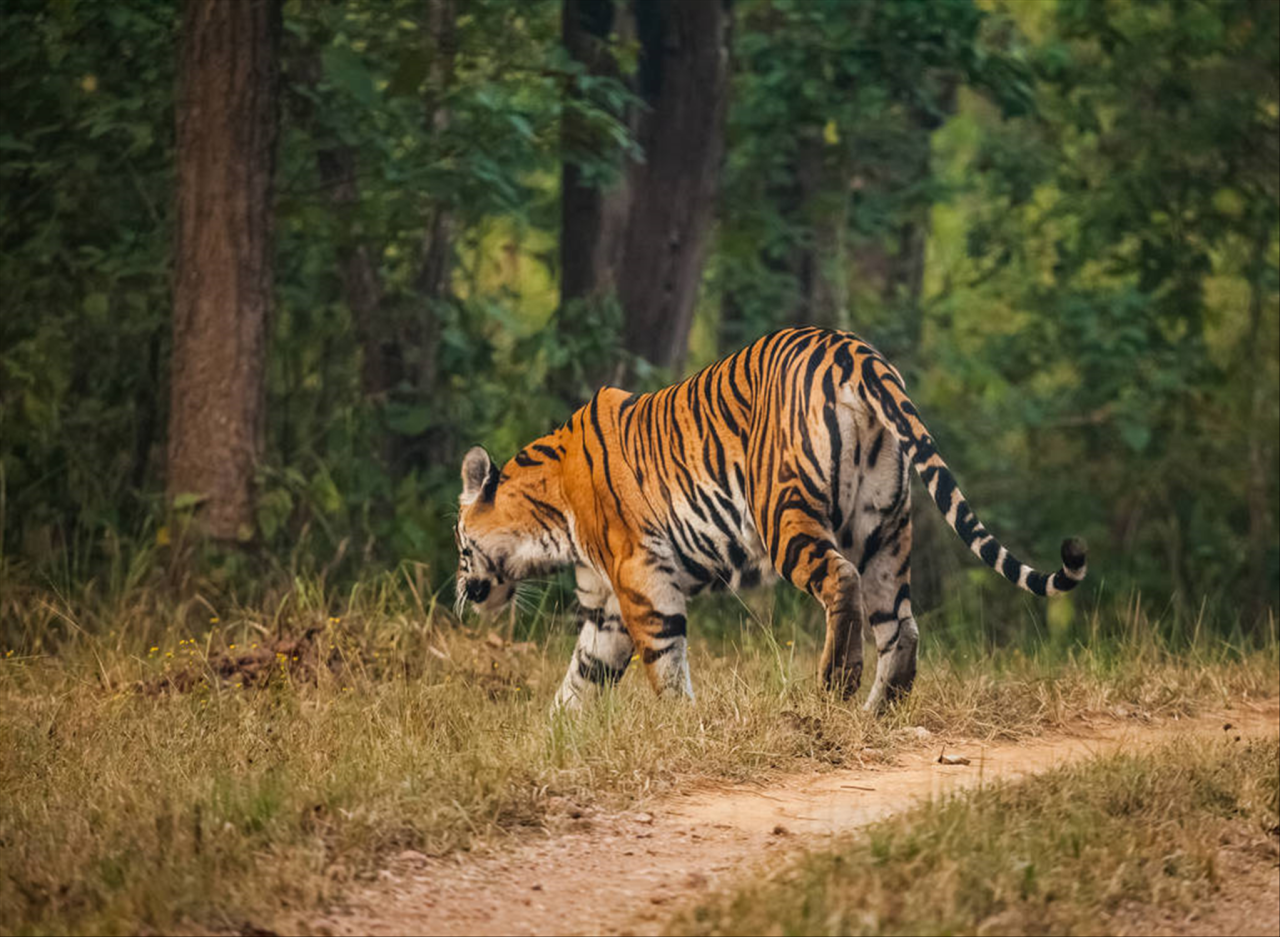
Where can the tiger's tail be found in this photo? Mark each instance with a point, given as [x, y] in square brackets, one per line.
[888, 399]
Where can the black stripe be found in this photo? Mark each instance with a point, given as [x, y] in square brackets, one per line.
[1063, 583]
[604, 449]
[670, 626]
[874, 454]
[490, 484]
[942, 494]
[547, 509]
[990, 552]
[651, 654]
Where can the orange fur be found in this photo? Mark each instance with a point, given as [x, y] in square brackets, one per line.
[790, 457]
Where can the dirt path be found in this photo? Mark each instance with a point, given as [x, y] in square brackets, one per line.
[624, 874]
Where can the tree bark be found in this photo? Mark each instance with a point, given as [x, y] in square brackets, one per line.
[645, 237]
[593, 219]
[227, 123]
[683, 79]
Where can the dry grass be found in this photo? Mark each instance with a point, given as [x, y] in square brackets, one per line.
[1063, 853]
[153, 776]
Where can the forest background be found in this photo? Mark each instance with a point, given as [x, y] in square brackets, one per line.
[269, 269]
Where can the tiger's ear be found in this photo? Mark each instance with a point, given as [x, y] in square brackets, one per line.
[478, 471]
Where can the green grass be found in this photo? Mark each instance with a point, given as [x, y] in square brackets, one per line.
[153, 777]
[1057, 854]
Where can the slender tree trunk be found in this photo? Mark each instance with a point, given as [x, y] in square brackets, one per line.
[381, 365]
[432, 283]
[146, 407]
[398, 339]
[227, 124]
[684, 81]
[357, 266]
[1259, 475]
[903, 288]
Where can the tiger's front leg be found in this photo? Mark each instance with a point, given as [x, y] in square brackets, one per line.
[653, 609]
[604, 647]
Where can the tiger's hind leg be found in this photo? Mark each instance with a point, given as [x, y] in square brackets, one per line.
[887, 587]
[812, 562]
[604, 647]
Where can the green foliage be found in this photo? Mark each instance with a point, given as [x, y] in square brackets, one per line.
[86, 165]
[85, 146]
[829, 149]
[1123, 237]
[1060, 220]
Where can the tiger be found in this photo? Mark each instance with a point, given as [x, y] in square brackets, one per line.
[786, 459]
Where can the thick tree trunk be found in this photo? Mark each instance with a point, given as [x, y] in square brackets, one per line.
[684, 81]
[593, 219]
[644, 238]
[227, 124]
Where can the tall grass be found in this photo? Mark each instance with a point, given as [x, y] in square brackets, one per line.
[196, 762]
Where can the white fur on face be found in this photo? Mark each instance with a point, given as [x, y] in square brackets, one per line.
[484, 577]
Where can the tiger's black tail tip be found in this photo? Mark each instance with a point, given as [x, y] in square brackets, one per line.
[1074, 552]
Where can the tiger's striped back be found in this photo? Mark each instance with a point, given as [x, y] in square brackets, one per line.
[790, 456]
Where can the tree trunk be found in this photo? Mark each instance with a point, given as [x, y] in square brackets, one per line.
[380, 365]
[385, 328]
[903, 288]
[227, 124]
[683, 79]
[644, 238]
[1259, 472]
[432, 281]
[593, 219]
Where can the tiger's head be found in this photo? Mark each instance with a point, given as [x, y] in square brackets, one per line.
[504, 533]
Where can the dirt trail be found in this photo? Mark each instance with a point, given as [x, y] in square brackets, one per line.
[625, 873]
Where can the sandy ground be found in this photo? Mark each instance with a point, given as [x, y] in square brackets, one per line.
[626, 874]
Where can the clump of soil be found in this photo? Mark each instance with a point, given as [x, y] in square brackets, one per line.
[296, 658]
